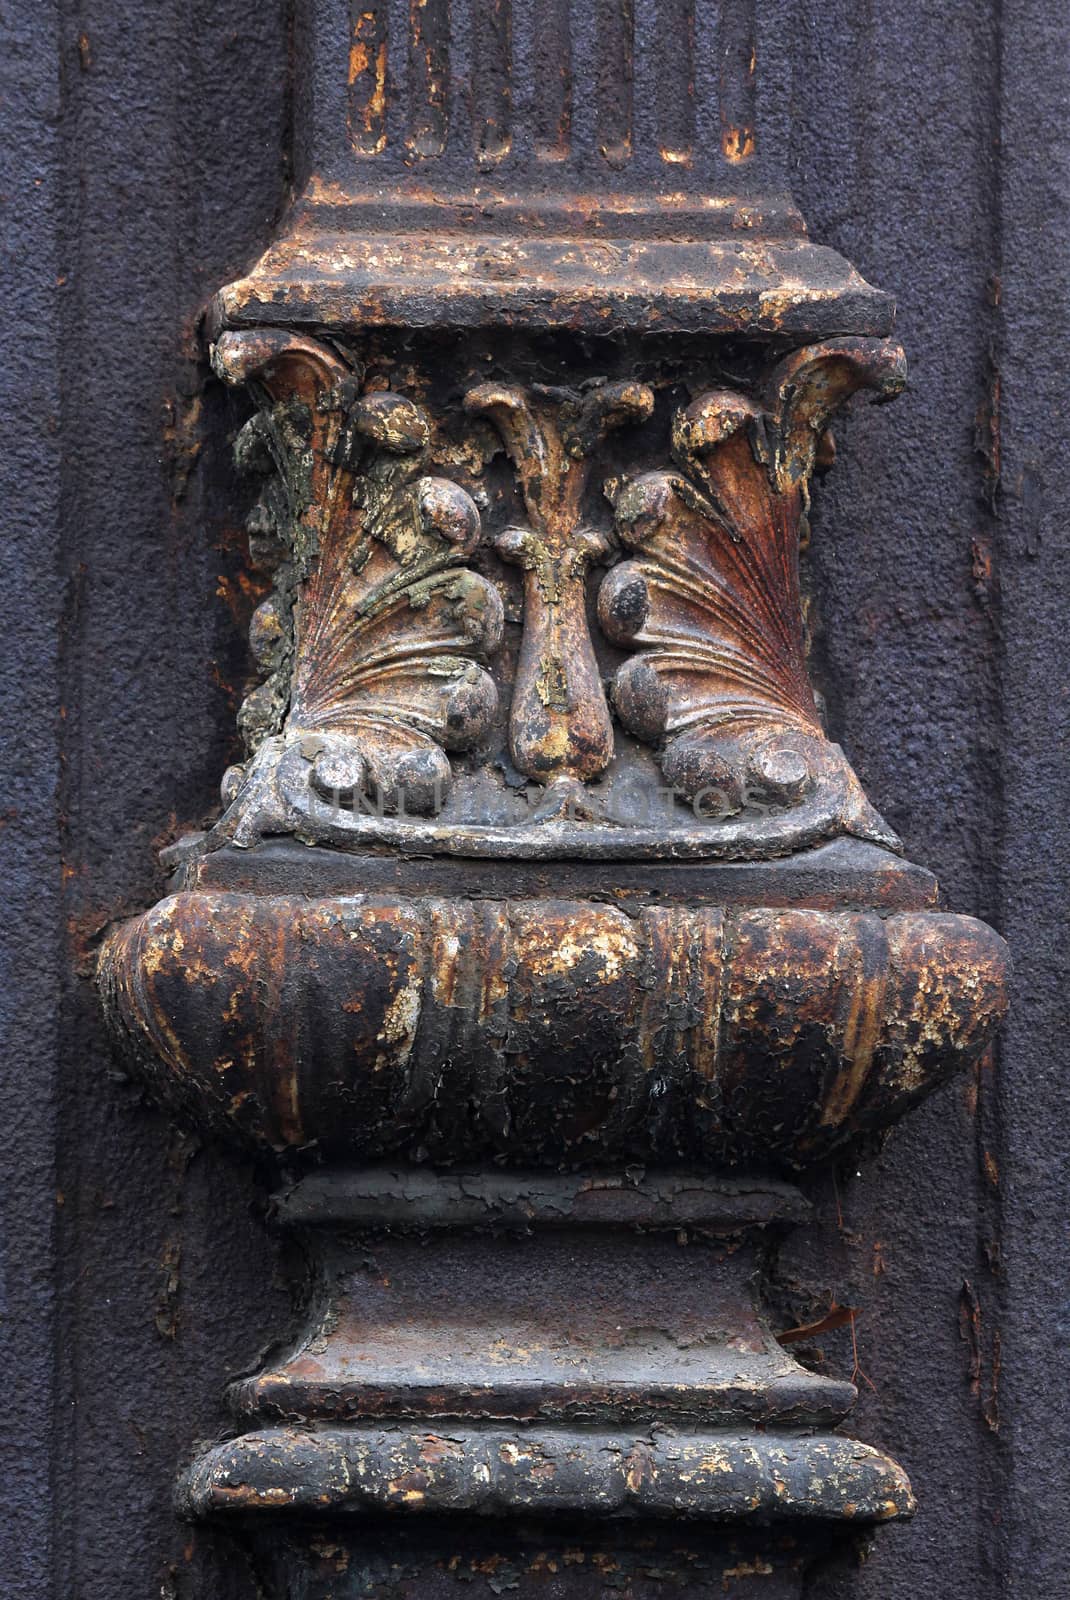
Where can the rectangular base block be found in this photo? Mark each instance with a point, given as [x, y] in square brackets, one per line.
[469, 1561]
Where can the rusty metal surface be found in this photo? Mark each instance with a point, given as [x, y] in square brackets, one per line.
[450, 172]
[426, 648]
[917, 685]
[607, 287]
[643, 1562]
[393, 97]
[546, 1031]
[483, 1323]
[471, 1378]
[844, 875]
[422, 1199]
[555, 1473]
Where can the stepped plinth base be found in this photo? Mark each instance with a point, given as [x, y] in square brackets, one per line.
[569, 1350]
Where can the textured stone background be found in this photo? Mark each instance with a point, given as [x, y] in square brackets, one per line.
[143, 158]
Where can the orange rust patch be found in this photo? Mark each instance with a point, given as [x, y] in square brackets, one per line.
[737, 144]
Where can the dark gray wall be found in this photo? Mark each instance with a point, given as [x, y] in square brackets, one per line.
[143, 158]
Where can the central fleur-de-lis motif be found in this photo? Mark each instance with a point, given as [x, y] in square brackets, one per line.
[560, 730]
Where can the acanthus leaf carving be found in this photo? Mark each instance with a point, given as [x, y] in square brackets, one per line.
[373, 644]
[372, 641]
[710, 606]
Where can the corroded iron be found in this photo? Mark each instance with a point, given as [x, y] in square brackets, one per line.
[559, 725]
[545, 934]
[372, 639]
[489, 1472]
[712, 595]
[546, 1030]
[637, 549]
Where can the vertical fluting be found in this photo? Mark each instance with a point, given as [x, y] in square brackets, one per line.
[429, 76]
[492, 79]
[368, 75]
[557, 81]
[552, 87]
[675, 80]
[737, 79]
[615, 79]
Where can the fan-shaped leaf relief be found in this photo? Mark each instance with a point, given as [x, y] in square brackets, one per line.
[372, 640]
[710, 605]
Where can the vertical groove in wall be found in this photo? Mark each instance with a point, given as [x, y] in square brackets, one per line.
[492, 52]
[615, 70]
[675, 87]
[738, 64]
[40, 195]
[552, 99]
[368, 79]
[428, 76]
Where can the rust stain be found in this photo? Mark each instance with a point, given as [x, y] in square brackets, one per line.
[589, 988]
[737, 144]
[368, 56]
[837, 1316]
[166, 1312]
[559, 727]
[182, 439]
[970, 1332]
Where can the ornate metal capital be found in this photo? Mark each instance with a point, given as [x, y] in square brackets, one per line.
[543, 924]
[475, 655]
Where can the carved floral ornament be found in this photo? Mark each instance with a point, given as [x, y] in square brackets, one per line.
[377, 645]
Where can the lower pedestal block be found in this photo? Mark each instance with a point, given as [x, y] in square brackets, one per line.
[493, 1348]
[457, 1559]
[537, 1147]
